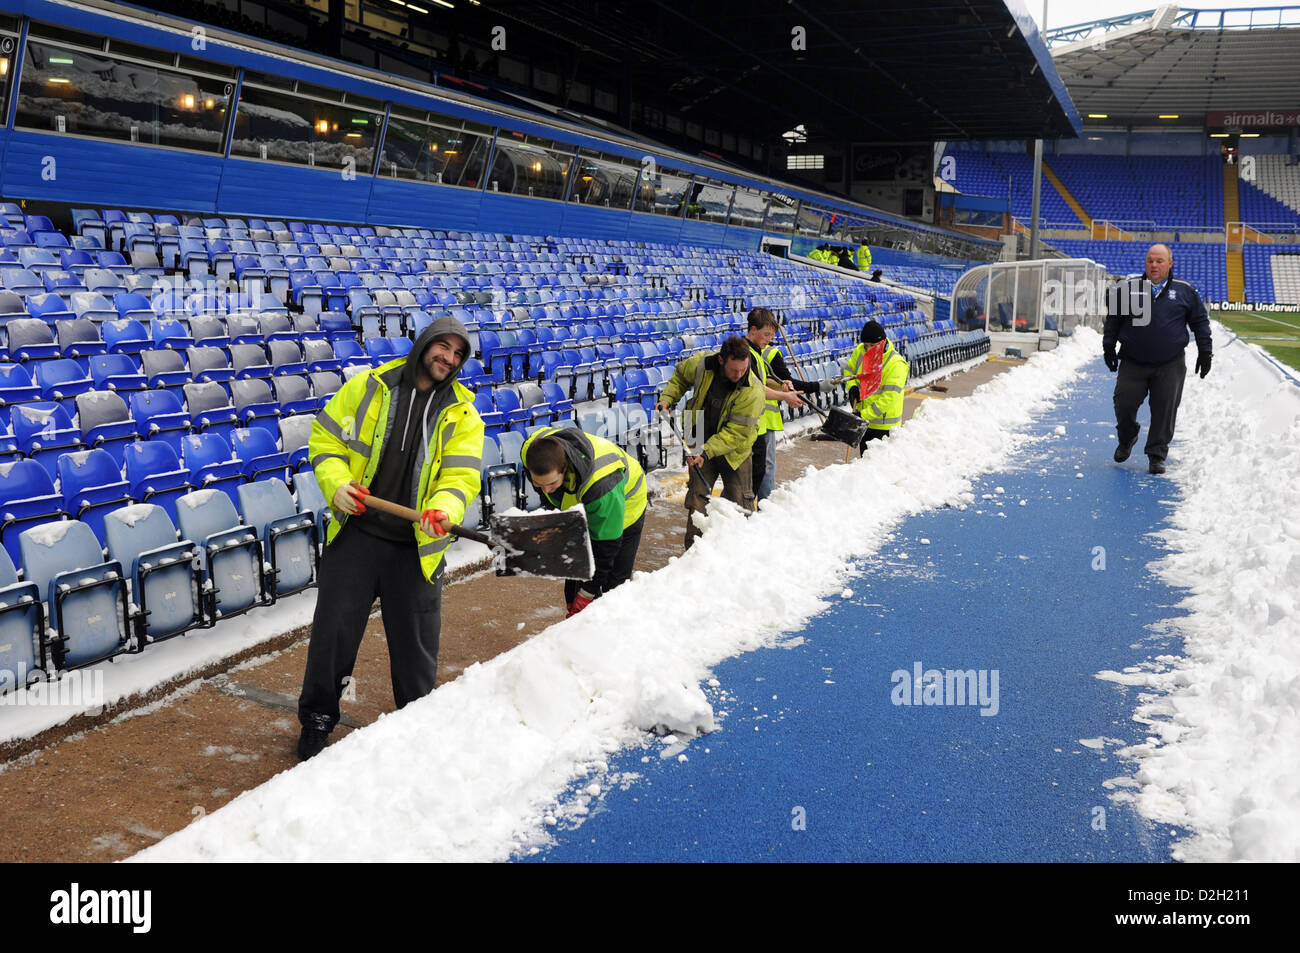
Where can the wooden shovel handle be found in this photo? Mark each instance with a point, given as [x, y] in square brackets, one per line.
[406, 513]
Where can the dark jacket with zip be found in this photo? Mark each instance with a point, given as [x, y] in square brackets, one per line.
[1154, 330]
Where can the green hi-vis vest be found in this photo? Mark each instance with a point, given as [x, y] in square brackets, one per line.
[602, 477]
[882, 410]
[347, 438]
[771, 419]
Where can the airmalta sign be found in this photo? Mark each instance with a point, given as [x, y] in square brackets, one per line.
[1254, 118]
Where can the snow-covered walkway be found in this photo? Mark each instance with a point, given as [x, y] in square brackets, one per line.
[514, 751]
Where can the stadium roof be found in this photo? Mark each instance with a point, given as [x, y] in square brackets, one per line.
[1181, 63]
[894, 71]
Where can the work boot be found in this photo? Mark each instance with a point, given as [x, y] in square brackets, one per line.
[1155, 465]
[1123, 450]
[315, 735]
[312, 742]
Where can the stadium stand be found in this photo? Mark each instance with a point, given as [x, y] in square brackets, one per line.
[169, 445]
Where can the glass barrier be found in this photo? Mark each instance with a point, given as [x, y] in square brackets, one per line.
[663, 191]
[710, 201]
[748, 208]
[414, 149]
[283, 127]
[65, 90]
[530, 165]
[604, 180]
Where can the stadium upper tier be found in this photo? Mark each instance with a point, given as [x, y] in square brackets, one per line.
[1272, 274]
[1177, 191]
[1009, 175]
[1165, 192]
[1271, 194]
[160, 375]
[1201, 263]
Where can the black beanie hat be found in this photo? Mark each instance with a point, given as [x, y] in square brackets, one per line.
[872, 332]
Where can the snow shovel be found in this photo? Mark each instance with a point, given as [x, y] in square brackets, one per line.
[551, 543]
[844, 426]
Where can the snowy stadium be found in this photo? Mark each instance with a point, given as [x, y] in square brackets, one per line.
[983, 639]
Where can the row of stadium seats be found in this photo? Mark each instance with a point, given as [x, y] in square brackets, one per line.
[85, 597]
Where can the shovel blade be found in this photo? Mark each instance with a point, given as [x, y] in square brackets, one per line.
[845, 427]
[551, 543]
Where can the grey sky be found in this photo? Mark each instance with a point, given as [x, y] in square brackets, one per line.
[1069, 12]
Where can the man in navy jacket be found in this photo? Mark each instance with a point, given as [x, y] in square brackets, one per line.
[1149, 315]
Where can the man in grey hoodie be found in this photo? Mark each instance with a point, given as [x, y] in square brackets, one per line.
[408, 432]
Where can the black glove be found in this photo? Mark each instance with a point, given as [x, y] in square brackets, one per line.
[853, 395]
[1112, 362]
[1203, 363]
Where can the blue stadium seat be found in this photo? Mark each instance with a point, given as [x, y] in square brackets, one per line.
[16, 385]
[230, 553]
[86, 596]
[106, 422]
[259, 455]
[210, 410]
[155, 475]
[499, 479]
[44, 431]
[92, 484]
[165, 585]
[118, 372]
[255, 405]
[288, 537]
[27, 496]
[22, 628]
[212, 464]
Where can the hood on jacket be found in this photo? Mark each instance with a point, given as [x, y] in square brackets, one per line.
[444, 325]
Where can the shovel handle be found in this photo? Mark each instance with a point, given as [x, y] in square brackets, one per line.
[405, 512]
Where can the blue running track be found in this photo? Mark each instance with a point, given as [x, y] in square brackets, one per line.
[810, 732]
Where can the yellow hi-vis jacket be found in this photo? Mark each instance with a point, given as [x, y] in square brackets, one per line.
[738, 424]
[864, 258]
[883, 410]
[602, 477]
[348, 436]
[771, 419]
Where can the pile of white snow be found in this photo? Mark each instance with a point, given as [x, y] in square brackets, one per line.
[1223, 756]
[474, 770]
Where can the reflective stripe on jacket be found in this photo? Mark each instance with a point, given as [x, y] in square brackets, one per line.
[883, 409]
[771, 419]
[348, 436]
[738, 425]
[597, 467]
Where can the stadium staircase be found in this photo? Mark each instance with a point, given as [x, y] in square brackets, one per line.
[1232, 213]
[1070, 200]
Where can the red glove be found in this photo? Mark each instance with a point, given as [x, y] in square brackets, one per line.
[431, 522]
[350, 498]
[580, 602]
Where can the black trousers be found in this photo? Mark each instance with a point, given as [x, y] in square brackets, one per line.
[871, 435]
[624, 552]
[356, 569]
[1163, 383]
